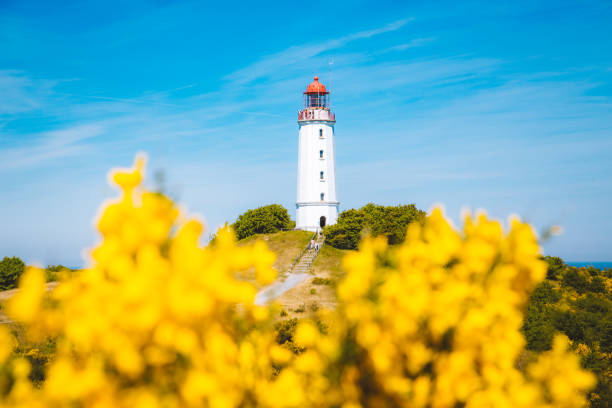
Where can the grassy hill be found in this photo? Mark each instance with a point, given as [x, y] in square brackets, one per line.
[287, 245]
[318, 291]
[315, 292]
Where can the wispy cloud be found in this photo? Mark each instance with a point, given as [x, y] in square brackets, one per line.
[417, 42]
[140, 101]
[294, 55]
[59, 144]
[19, 93]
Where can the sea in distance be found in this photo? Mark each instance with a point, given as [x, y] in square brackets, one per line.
[598, 265]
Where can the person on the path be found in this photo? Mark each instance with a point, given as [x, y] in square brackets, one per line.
[311, 245]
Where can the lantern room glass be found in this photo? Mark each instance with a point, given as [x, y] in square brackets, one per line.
[315, 100]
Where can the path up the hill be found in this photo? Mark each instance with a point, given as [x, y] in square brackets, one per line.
[297, 273]
[305, 262]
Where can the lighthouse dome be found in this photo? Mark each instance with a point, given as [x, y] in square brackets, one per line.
[316, 87]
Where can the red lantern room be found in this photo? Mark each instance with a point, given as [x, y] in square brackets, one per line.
[316, 104]
[315, 95]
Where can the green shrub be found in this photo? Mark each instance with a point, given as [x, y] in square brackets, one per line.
[39, 355]
[577, 303]
[605, 344]
[301, 308]
[322, 281]
[262, 220]
[575, 279]
[10, 271]
[538, 326]
[597, 285]
[544, 293]
[285, 330]
[53, 272]
[555, 266]
[538, 329]
[346, 233]
[390, 221]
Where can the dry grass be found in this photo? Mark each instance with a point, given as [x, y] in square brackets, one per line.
[300, 301]
[287, 245]
[7, 294]
[328, 264]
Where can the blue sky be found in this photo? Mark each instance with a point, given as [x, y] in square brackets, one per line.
[505, 107]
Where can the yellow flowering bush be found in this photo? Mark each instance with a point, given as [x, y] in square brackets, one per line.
[436, 323]
[157, 320]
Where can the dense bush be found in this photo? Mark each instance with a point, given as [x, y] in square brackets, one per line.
[578, 303]
[575, 279]
[346, 233]
[53, 272]
[539, 326]
[322, 281]
[262, 220]
[10, 271]
[285, 330]
[555, 266]
[372, 219]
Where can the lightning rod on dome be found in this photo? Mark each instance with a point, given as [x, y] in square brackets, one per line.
[330, 63]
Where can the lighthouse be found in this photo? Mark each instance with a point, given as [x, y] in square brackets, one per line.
[317, 204]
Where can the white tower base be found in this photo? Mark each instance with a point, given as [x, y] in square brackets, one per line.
[308, 215]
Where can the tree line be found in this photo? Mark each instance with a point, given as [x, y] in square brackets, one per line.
[352, 225]
[578, 303]
[11, 269]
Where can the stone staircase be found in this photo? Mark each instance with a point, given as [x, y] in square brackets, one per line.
[305, 262]
[296, 274]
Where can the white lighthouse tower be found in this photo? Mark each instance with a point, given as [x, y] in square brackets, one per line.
[317, 204]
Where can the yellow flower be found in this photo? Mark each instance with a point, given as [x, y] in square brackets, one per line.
[7, 344]
[25, 305]
[306, 334]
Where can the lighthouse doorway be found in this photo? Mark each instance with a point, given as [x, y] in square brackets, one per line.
[322, 221]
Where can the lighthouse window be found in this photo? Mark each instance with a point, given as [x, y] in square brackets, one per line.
[321, 176]
[322, 196]
[321, 133]
[320, 154]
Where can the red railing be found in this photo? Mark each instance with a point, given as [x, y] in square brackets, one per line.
[316, 114]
